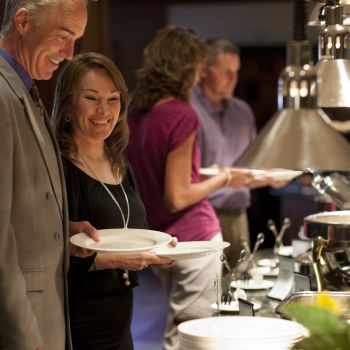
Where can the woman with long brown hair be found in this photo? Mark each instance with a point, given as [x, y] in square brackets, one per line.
[166, 160]
[90, 122]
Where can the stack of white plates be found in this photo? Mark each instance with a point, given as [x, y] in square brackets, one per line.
[240, 333]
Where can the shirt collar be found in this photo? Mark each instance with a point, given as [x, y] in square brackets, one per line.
[22, 73]
[212, 108]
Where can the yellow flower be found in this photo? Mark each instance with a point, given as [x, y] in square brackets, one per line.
[325, 301]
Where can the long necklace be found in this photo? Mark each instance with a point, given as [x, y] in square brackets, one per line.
[125, 221]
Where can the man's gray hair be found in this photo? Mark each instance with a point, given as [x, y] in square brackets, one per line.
[216, 46]
[36, 9]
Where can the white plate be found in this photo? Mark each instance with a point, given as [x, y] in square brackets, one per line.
[286, 250]
[189, 250]
[232, 306]
[209, 171]
[265, 271]
[278, 174]
[122, 241]
[252, 284]
[246, 329]
[275, 174]
[268, 262]
[212, 171]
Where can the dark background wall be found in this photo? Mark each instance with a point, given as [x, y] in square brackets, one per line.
[122, 28]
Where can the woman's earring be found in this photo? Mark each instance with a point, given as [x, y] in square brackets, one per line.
[67, 118]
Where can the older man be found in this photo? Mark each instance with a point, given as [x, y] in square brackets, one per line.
[36, 36]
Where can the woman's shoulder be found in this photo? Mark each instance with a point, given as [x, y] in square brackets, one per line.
[66, 163]
[170, 108]
[166, 117]
[180, 104]
[71, 171]
[129, 176]
[177, 110]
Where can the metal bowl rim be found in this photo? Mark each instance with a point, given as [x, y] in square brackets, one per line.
[314, 218]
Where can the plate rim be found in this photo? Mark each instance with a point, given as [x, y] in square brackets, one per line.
[260, 262]
[267, 273]
[206, 250]
[73, 240]
[285, 174]
[186, 327]
[269, 284]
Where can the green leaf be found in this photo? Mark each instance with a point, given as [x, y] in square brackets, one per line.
[325, 342]
[317, 319]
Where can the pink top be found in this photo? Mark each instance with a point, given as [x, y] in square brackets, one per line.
[153, 136]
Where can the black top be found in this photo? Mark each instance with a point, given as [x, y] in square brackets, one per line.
[88, 200]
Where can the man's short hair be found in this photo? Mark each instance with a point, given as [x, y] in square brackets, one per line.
[36, 8]
[216, 46]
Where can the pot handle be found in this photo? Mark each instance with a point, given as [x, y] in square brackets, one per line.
[317, 245]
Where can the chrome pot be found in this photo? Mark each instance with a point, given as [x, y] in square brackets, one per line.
[330, 236]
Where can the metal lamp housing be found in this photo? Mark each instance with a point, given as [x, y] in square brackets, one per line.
[298, 136]
[333, 68]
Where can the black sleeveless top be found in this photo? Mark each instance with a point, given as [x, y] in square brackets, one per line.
[88, 200]
[99, 302]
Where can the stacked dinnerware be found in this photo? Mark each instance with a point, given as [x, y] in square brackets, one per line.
[240, 333]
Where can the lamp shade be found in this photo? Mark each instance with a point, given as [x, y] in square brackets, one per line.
[333, 68]
[298, 136]
[333, 82]
[298, 139]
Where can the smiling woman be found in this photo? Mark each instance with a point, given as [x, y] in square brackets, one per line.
[89, 119]
[97, 107]
[96, 89]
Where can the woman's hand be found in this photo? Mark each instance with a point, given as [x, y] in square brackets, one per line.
[173, 242]
[132, 262]
[88, 229]
[239, 178]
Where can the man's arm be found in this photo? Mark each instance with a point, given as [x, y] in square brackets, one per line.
[18, 325]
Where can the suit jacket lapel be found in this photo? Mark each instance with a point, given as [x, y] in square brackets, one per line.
[42, 132]
[46, 142]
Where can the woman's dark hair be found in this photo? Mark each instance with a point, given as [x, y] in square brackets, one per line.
[67, 83]
[170, 63]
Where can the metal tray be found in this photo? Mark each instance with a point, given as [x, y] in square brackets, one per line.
[309, 297]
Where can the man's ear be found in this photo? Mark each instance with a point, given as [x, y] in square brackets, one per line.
[204, 72]
[21, 20]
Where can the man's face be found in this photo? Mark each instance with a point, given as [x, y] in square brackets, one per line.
[44, 46]
[220, 79]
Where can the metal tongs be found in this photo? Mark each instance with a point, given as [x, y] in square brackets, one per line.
[243, 266]
[227, 296]
[278, 235]
[241, 271]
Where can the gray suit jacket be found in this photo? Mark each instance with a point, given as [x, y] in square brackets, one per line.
[33, 225]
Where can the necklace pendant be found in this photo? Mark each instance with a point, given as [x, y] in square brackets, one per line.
[125, 220]
[125, 277]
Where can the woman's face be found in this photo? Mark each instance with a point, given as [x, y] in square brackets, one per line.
[96, 107]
